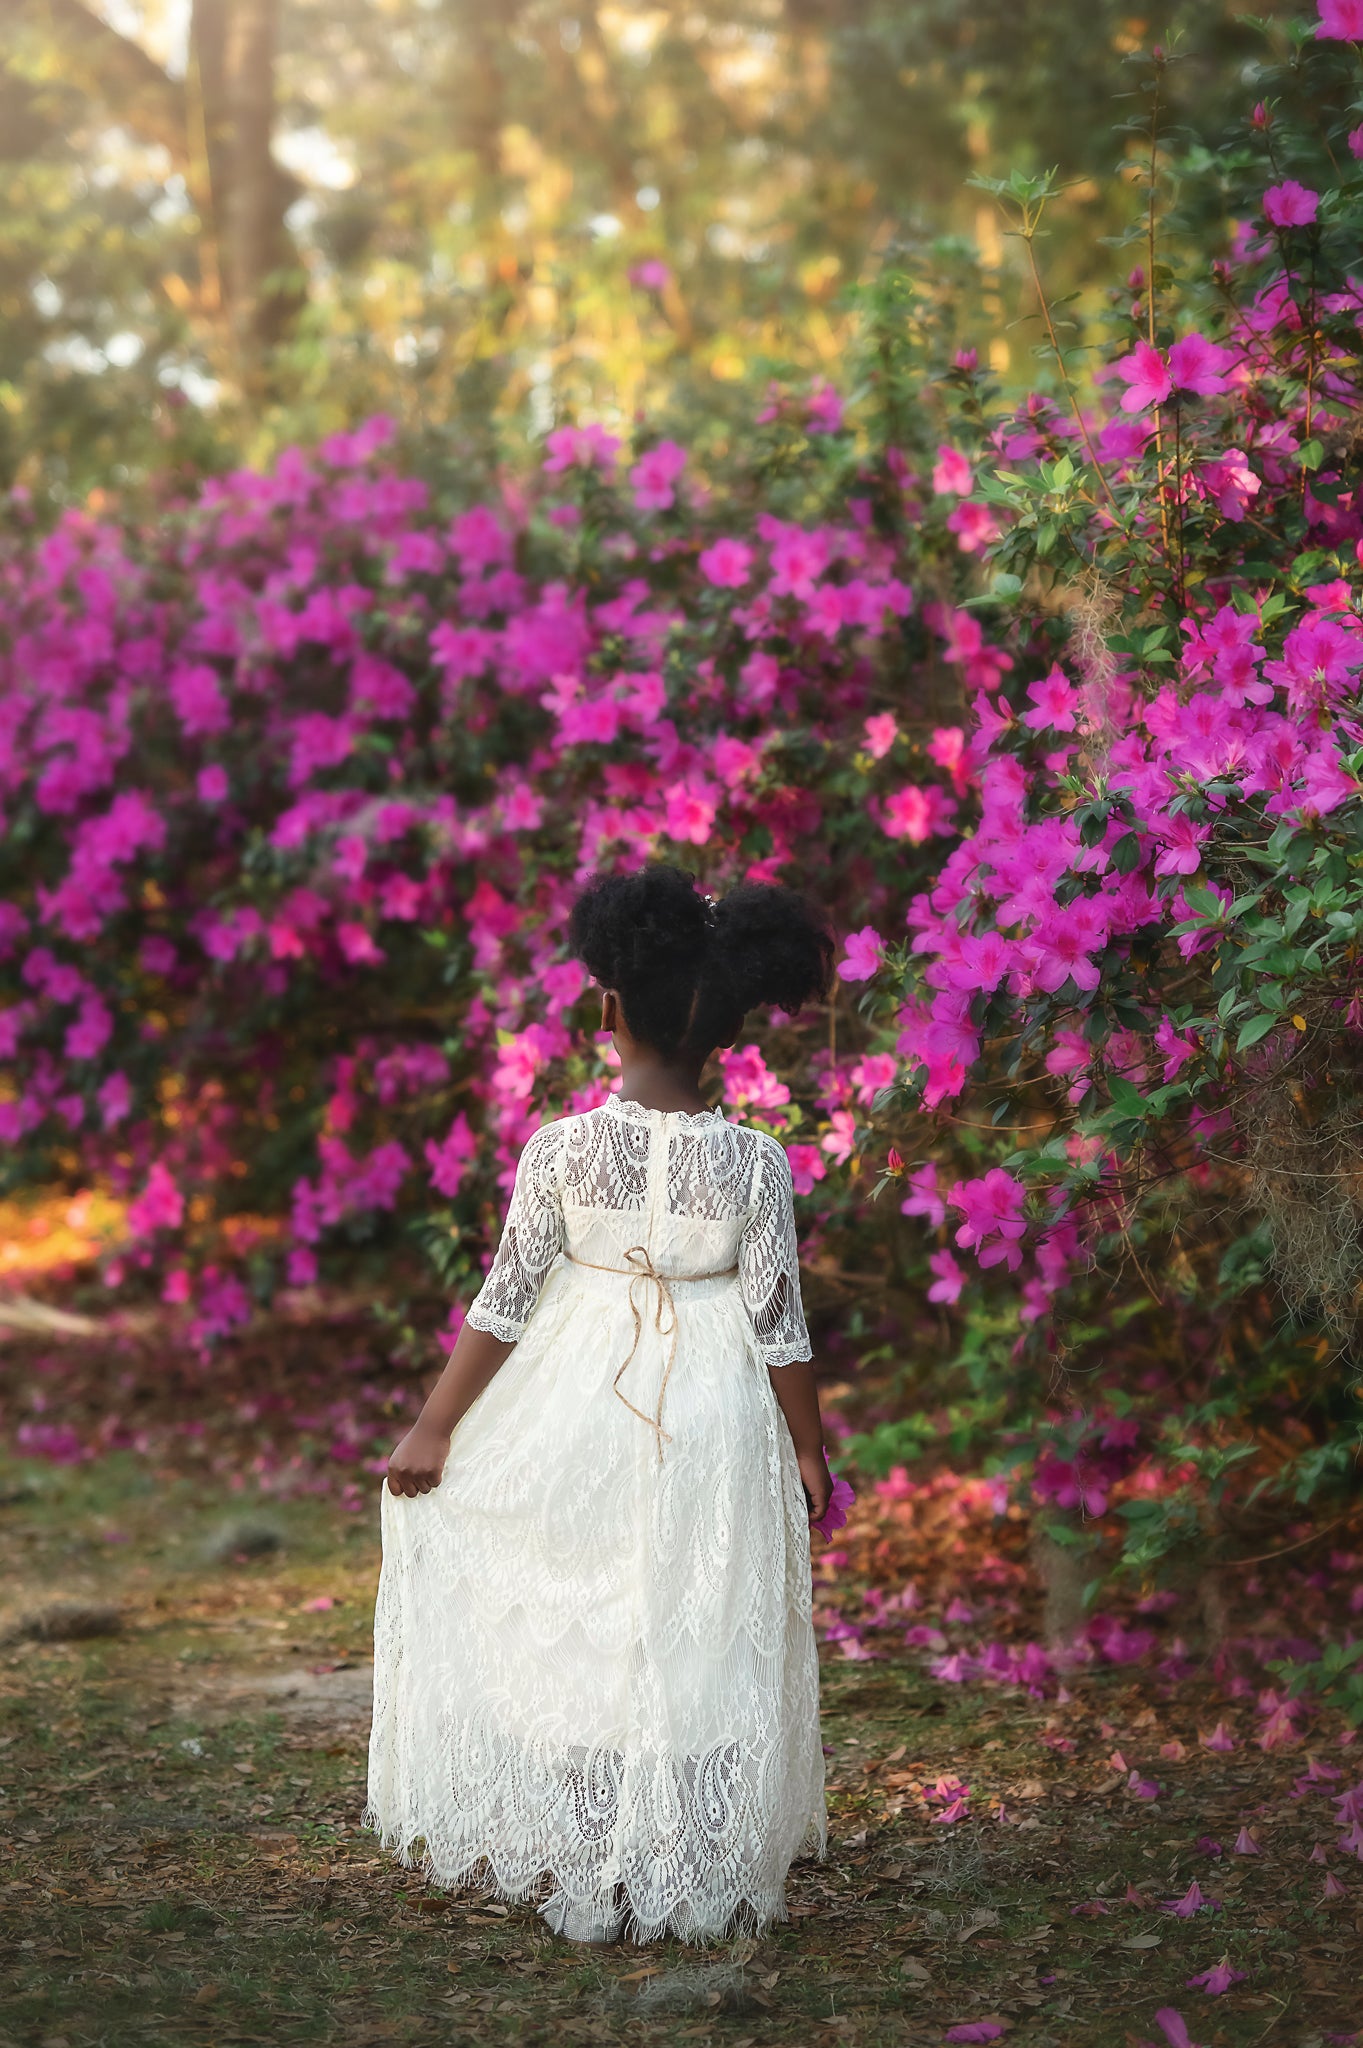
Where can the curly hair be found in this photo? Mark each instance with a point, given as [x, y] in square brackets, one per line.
[686, 969]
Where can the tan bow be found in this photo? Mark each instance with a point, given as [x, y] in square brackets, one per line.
[641, 1270]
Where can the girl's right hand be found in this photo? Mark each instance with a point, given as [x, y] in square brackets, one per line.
[418, 1462]
[818, 1483]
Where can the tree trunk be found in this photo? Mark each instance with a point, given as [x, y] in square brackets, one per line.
[259, 264]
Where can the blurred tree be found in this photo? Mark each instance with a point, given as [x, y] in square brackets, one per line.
[491, 211]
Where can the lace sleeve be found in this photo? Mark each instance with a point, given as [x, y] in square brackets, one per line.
[769, 1261]
[532, 1238]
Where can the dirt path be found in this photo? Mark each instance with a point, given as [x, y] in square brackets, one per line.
[181, 1802]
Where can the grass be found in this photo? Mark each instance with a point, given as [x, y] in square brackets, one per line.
[185, 1864]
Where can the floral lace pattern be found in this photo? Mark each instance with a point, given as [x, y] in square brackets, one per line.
[594, 1663]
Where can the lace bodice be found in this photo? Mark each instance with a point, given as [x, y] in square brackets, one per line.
[699, 1194]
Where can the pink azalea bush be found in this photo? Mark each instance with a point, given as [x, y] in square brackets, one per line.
[1053, 702]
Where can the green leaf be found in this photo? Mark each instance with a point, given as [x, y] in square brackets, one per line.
[1257, 1028]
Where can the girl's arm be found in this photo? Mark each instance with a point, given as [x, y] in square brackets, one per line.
[530, 1242]
[797, 1396]
[419, 1460]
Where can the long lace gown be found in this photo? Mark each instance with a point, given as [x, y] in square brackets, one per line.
[594, 1658]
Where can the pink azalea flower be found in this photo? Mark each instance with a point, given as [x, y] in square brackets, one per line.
[923, 1198]
[1220, 1738]
[357, 945]
[976, 2030]
[881, 733]
[691, 808]
[212, 784]
[950, 1279]
[1177, 1050]
[654, 476]
[974, 526]
[1146, 376]
[588, 447]
[1199, 365]
[1191, 1902]
[1245, 1844]
[823, 410]
[727, 564]
[1340, 21]
[952, 473]
[806, 1167]
[1291, 205]
[862, 955]
[1174, 2028]
[449, 1159]
[835, 1514]
[1054, 701]
[916, 812]
[991, 1206]
[160, 1206]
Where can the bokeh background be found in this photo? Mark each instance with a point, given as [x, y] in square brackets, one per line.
[225, 224]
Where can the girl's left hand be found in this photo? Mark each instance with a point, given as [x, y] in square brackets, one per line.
[818, 1483]
[418, 1462]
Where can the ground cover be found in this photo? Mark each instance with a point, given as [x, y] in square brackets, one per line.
[182, 1799]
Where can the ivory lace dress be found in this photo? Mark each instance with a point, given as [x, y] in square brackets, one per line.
[594, 1658]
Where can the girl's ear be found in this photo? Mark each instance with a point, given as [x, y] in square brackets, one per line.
[610, 1009]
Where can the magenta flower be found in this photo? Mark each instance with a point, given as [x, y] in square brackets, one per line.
[1341, 21]
[1291, 205]
[976, 2030]
[951, 473]
[949, 1280]
[588, 447]
[1054, 702]
[1146, 376]
[806, 1167]
[1199, 365]
[881, 731]
[1219, 1740]
[834, 1515]
[823, 410]
[160, 1206]
[992, 1208]
[691, 808]
[923, 1198]
[1216, 1980]
[651, 275]
[1245, 1844]
[862, 955]
[727, 564]
[1174, 2028]
[654, 476]
[1191, 1902]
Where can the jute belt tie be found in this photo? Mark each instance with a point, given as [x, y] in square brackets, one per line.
[642, 1273]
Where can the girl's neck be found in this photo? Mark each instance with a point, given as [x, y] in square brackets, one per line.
[656, 1083]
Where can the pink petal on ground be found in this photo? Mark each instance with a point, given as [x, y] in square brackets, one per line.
[321, 1605]
[976, 2030]
[1191, 1902]
[1174, 2028]
[1245, 1844]
[1216, 1980]
[1219, 1739]
[1333, 1888]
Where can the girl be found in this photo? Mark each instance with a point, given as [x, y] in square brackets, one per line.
[594, 1658]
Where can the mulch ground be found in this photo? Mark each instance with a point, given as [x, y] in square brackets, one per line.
[181, 1802]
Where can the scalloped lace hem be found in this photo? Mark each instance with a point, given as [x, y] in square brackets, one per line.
[744, 1909]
